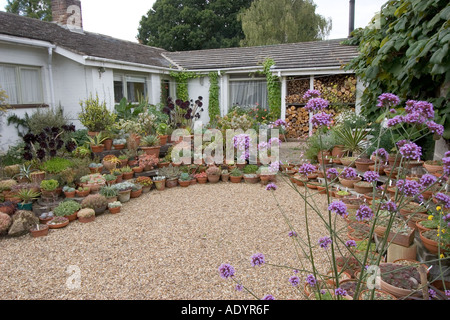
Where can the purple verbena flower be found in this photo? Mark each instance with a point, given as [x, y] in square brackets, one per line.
[306, 169]
[271, 186]
[332, 173]
[381, 153]
[226, 270]
[411, 151]
[316, 104]
[389, 206]
[349, 173]
[394, 121]
[443, 199]
[432, 293]
[350, 243]
[321, 119]
[257, 259]
[340, 292]
[311, 280]
[239, 287]
[435, 128]
[371, 176]
[339, 208]
[364, 213]
[409, 188]
[388, 100]
[294, 280]
[311, 94]
[427, 180]
[268, 297]
[292, 234]
[325, 242]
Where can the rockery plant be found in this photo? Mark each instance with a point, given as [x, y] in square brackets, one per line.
[405, 124]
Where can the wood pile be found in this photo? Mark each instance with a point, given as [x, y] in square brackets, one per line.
[337, 89]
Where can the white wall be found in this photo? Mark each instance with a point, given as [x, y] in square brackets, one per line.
[200, 87]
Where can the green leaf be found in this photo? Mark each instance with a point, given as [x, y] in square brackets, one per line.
[439, 55]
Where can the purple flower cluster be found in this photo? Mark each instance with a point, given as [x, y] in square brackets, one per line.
[388, 100]
[411, 151]
[242, 142]
[394, 121]
[306, 169]
[271, 186]
[268, 297]
[340, 292]
[294, 280]
[332, 173]
[401, 143]
[423, 108]
[339, 208]
[389, 206]
[316, 104]
[311, 280]
[292, 234]
[435, 128]
[443, 199]
[409, 188]
[364, 213]
[349, 173]
[371, 176]
[239, 287]
[257, 259]
[325, 242]
[381, 153]
[427, 180]
[226, 270]
[446, 164]
[321, 119]
[350, 243]
[311, 94]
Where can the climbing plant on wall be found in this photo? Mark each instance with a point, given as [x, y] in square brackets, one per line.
[273, 90]
[214, 106]
[182, 80]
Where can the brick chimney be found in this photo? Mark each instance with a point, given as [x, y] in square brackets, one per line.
[67, 14]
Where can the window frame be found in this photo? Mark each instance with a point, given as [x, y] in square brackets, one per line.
[123, 80]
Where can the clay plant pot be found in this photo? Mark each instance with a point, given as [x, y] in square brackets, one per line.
[70, 194]
[86, 219]
[59, 225]
[363, 189]
[124, 196]
[72, 217]
[160, 185]
[137, 169]
[171, 183]
[432, 168]
[337, 151]
[163, 139]
[136, 193]
[184, 183]
[114, 210]
[202, 180]
[225, 177]
[119, 146]
[235, 179]
[152, 150]
[348, 183]
[431, 245]
[193, 181]
[108, 144]
[127, 175]
[81, 194]
[398, 292]
[363, 164]
[42, 232]
[251, 180]
[213, 178]
[378, 295]
[98, 149]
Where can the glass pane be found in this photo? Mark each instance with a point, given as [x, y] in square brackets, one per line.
[118, 91]
[8, 82]
[248, 93]
[31, 87]
[135, 90]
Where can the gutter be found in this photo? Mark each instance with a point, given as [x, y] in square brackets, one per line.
[50, 71]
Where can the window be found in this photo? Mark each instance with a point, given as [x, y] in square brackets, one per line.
[131, 87]
[23, 85]
[248, 92]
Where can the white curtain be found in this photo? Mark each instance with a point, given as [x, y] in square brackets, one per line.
[9, 84]
[248, 93]
[31, 86]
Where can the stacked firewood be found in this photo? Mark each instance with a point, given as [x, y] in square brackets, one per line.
[337, 89]
[297, 122]
[296, 88]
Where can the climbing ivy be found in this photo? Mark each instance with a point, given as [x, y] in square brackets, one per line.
[182, 79]
[405, 51]
[273, 90]
[214, 106]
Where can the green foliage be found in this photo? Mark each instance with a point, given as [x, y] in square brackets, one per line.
[38, 9]
[56, 165]
[273, 90]
[184, 176]
[126, 110]
[284, 21]
[94, 114]
[351, 139]
[250, 168]
[214, 106]
[178, 25]
[66, 208]
[49, 184]
[182, 80]
[405, 51]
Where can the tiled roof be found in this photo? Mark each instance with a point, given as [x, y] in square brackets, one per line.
[314, 54]
[87, 43]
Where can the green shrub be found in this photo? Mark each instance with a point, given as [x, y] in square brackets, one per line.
[66, 208]
[250, 169]
[49, 185]
[56, 165]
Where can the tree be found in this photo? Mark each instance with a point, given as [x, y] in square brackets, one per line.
[269, 22]
[179, 25]
[38, 9]
[405, 51]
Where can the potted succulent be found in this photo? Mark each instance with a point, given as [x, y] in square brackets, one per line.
[434, 241]
[81, 192]
[202, 177]
[250, 173]
[184, 180]
[58, 222]
[95, 167]
[213, 174]
[137, 169]
[49, 188]
[236, 175]
[127, 172]
[171, 173]
[160, 182]
[110, 179]
[151, 145]
[145, 182]
[39, 230]
[96, 142]
[162, 131]
[119, 144]
[110, 162]
[136, 190]
[109, 192]
[69, 192]
[400, 281]
[27, 196]
[86, 215]
[363, 187]
[114, 207]
[94, 181]
[97, 202]
[124, 190]
[147, 161]
[46, 217]
[225, 175]
[68, 209]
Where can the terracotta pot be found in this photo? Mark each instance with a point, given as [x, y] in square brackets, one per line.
[421, 227]
[251, 180]
[184, 183]
[202, 180]
[225, 177]
[127, 175]
[45, 220]
[163, 164]
[152, 150]
[234, 179]
[37, 177]
[86, 219]
[81, 194]
[431, 245]
[378, 295]
[146, 189]
[114, 210]
[160, 185]
[72, 217]
[193, 181]
[349, 183]
[70, 194]
[337, 151]
[171, 183]
[108, 144]
[213, 178]
[119, 146]
[58, 226]
[96, 170]
[362, 189]
[363, 165]
[42, 232]
[137, 169]
[98, 149]
[93, 133]
[163, 139]
[433, 168]
[136, 194]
